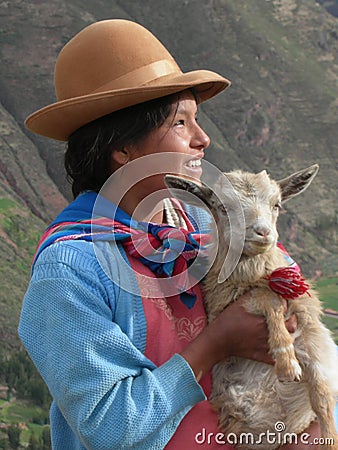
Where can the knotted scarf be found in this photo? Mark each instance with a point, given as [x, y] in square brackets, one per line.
[167, 251]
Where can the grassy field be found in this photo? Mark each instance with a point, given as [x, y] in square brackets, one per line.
[328, 291]
[28, 417]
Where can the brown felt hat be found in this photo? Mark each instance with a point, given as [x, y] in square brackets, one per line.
[110, 65]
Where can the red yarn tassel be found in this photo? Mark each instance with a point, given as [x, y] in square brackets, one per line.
[288, 282]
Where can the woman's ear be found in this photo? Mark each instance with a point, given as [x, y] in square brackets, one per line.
[120, 156]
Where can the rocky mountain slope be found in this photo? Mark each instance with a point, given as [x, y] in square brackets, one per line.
[280, 113]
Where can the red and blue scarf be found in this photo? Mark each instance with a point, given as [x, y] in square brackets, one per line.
[167, 251]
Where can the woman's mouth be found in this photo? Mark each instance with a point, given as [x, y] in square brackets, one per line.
[194, 163]
[193, 168]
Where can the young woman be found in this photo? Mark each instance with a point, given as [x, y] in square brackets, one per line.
[125, 352]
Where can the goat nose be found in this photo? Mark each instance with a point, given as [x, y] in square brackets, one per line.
[262, 230]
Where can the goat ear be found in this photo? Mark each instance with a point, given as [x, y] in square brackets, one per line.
[186, 190]
[297, 182]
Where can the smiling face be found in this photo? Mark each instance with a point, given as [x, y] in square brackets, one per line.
[180, 134]
[179, 139]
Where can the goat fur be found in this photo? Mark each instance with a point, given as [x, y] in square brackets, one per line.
[252, 397]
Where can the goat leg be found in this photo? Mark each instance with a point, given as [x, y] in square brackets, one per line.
[280, 342]
[317, 355]
[323, 405]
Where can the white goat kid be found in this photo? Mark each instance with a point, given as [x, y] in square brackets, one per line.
[252, 398]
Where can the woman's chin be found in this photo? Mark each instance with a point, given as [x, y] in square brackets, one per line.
[192, 172]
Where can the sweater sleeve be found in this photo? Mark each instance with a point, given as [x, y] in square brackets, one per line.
[111, 395]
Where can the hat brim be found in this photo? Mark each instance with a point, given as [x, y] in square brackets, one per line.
[59, 120]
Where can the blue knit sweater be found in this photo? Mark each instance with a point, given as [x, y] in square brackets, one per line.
[83, 324]
[87, 338]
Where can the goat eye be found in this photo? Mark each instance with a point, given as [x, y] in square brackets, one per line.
[278, 206]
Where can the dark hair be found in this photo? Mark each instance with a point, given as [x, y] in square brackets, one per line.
[88, 155]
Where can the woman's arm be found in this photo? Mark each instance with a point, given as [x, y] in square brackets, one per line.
[111, 395]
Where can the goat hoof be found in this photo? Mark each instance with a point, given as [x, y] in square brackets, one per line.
[297, 370]
[289, 372]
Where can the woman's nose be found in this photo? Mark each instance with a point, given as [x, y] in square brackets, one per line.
[201, 139]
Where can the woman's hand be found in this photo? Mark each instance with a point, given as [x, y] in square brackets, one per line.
[240, 333]
[235, 332]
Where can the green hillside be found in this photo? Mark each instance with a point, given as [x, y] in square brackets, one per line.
[20, 231]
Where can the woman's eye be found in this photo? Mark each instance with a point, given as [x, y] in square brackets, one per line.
[179, 122]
